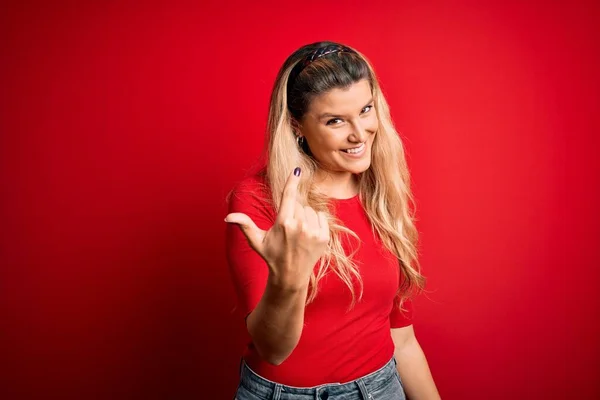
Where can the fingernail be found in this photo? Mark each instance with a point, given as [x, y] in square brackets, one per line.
[297, 171]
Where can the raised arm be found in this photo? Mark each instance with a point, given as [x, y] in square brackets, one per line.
[290, 248]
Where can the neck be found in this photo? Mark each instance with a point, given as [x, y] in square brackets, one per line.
[337, 185]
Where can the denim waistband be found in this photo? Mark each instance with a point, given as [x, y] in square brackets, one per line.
[360, 387]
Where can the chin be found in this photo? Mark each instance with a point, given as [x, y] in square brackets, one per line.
[359, 169]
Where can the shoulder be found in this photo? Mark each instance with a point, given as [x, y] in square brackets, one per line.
[251, 187]
[252, 196]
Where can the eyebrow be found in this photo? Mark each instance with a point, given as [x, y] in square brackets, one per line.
[328, 115]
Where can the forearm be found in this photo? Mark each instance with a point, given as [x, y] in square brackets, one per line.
[415, 373]
[275, 325]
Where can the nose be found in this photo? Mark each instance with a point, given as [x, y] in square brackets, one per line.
[359, 133]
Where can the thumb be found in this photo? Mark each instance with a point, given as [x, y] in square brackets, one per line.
[253, 233]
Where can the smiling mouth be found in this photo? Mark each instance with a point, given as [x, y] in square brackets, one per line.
[355, 150]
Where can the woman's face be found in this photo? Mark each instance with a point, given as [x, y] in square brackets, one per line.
[339, 127]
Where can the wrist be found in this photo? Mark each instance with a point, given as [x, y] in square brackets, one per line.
[280, 286]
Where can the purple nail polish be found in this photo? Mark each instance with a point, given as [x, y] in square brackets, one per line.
[297, 171]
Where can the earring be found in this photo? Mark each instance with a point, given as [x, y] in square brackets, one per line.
[300, 140]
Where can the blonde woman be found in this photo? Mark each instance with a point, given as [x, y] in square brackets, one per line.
[323, 256]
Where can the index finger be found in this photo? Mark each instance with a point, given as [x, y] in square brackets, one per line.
[288, 199]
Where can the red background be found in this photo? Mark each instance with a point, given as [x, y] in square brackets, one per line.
[123, 127]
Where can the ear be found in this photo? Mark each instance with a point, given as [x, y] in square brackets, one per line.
[296, 127]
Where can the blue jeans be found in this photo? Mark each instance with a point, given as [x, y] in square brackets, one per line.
[383, 384]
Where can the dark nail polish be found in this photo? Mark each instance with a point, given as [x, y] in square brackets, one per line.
[297, 171]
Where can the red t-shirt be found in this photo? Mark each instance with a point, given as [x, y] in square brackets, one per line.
[336, 345]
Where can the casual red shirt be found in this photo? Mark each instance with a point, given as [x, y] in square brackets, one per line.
[336, 345]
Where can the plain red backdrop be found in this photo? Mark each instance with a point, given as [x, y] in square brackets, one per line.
[124, 125]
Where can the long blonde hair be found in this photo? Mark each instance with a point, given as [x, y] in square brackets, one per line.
[384, 189]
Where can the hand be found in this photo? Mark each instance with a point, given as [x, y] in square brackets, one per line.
[294, 243]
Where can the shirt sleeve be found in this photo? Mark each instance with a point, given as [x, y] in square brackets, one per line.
[248, 270]
[399, 318]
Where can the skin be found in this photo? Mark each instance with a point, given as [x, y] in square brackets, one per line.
[352, 120]
[412, 365]
[334, 121]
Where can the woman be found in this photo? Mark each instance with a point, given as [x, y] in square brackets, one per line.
[324, 261]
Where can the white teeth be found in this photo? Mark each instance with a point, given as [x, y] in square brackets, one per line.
[355, 150]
